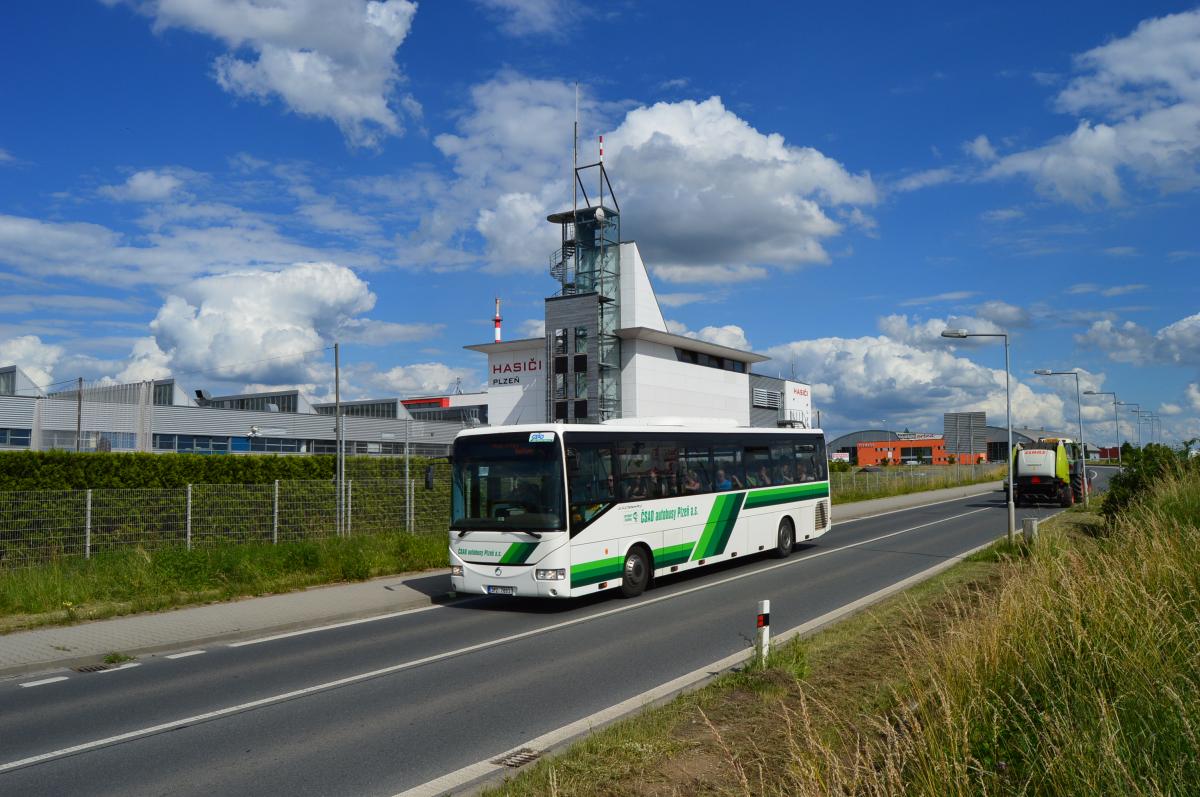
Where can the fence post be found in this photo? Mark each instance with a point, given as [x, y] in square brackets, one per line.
[275, 516]
[189, 517]
[349, 506]
[87, 528]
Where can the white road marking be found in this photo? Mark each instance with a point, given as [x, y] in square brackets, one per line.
[127, 666]
[54, 680]
[185, 654]
[315, 629]
[408, 665]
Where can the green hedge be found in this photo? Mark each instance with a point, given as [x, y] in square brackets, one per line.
[67, 470]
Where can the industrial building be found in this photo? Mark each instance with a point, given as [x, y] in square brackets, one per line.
[161, 416]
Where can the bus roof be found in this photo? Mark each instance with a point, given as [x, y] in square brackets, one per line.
[616, 430]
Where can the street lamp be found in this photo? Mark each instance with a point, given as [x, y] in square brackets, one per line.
[1136, 408]
[1079, 405]
[1116, 421]
[962, 333]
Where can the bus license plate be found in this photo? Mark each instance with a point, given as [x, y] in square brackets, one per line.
[495, 590]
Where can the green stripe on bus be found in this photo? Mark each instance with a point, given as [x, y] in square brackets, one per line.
[518, 553]
[782, 495]
[673, 554]
[719, 526]
[597, 571]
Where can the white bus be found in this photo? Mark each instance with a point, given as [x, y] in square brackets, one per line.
[563, 510]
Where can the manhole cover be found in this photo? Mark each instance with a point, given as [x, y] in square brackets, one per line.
[518, 758]
[92, 667]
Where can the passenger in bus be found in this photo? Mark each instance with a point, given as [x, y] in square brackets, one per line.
[764, 478]
[724, 482]
[691, 485]
[639, 488]
[784, 474]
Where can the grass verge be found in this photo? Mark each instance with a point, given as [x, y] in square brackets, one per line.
[848, 488]
[1071, 667]
[138, 580]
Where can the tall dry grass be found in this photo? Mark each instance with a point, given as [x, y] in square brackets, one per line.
[1080, 676]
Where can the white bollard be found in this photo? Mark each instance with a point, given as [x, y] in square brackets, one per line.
[1029, 529]
[763, 646]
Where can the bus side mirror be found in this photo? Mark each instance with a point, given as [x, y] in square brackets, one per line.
[429, 477]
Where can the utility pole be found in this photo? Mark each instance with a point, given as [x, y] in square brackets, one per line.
[337, 435]
[78, 414]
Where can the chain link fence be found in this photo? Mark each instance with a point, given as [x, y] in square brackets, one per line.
[43, 525]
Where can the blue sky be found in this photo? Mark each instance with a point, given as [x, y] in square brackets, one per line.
[213, 188]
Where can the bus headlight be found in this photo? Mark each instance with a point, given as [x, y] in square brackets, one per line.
[456, 570]
[551, 575]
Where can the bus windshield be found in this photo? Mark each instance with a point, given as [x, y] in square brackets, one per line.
[506, 482]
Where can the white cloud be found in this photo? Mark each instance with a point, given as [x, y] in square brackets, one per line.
[31, 355]
[144, 186]
[419, 378]
[981, 148]
[532, 328]
[1168, 408]
[1121, 251]
[1177, 343]
[1193, 396]
[380, 333]
[876, 377]
[1146, 86]
[1002, 214]
[925, 179]
[332, 59]
[681, 299]
[1113, 290]
[6, 156]
[263, 326]
[698, 186]
[729, 335]
[1002, 313]
[949, 296]
[721, 274]
[530, 17]
[928, 334]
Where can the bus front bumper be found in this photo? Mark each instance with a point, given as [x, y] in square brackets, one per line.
[506, 580]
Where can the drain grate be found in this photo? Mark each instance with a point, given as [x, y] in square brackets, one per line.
[518, 758]
[92, 667]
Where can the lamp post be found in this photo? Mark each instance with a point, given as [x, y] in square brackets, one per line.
[1116, 421]
[962, 333]
[1136, 408]
[1079, 405]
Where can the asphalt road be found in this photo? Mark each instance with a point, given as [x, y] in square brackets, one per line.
[379, 707]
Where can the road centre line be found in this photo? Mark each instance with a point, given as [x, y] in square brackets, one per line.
[184, 655]
[44, 681]
[408, 665]
[331, 626]
[126, 666]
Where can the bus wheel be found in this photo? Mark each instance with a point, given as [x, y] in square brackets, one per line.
[636, 573]
[786, 539]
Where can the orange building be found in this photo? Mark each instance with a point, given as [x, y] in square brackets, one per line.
[915, 448]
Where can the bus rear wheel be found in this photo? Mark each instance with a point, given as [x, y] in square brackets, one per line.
[786, 540]
[636, 573]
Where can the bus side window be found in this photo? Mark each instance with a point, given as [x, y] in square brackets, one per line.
[696, 476]
[727, 468]
[783, 460]
[757, 462]
[805, 467]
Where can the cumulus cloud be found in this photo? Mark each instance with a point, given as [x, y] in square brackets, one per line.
[924, 179]
[332, 59]
[1002, 313]
[31, 355]
[1113, 290]
[875, 377]
[699, 187]
[407, 380]
[928, 333]
[729, 335]
[267, 326]
[1177, 343]
[144, 186]
[948, 296]
[1146, 89]
[1193, 396]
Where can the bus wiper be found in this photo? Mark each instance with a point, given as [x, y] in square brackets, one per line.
[537, 534]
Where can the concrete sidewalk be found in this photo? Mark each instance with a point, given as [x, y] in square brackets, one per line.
[144, 634]
[67, 646]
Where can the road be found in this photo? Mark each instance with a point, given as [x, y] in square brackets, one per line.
[379, 707]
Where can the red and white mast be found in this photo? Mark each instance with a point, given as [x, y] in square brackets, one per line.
[497, 319]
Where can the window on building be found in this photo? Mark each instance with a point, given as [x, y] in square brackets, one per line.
[164, 395]
[560, 410]
[560, 341]
[8, 383]
[581, 340]
[581, 384]
[560, 365]
[14, 438]
[560, 386]
[580, 364]
[581, 409]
